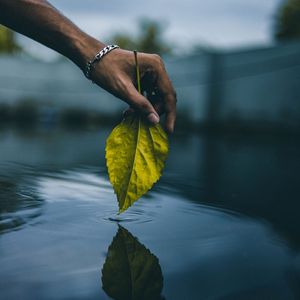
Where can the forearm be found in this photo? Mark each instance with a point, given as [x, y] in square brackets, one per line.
[115, 73]
[40, 21]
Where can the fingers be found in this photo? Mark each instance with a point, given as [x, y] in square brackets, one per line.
[120, 78]
[159, 107]
[139, 102]
[156, 81]
[170, 107]
[168, 94]
[163, 102]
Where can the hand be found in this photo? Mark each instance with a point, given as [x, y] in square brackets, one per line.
[116, 73]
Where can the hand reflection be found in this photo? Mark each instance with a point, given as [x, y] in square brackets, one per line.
[131, 271]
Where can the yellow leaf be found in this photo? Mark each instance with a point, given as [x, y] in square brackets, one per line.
[135, 156]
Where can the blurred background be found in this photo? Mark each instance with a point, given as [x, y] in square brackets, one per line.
[234, 65]
[234, 158]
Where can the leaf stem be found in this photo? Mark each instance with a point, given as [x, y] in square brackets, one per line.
[137, 71]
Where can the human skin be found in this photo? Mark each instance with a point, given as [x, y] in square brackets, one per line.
[115, 72]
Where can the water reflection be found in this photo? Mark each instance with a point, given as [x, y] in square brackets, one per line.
[131, 271]
[64, 206]
[205, 253]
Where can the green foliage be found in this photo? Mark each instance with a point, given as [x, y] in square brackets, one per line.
[288, 21]
[149, 39]
[125, 41]
[131, 271]
[7, 41]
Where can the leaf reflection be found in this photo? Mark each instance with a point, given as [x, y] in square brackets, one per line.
[131, 271]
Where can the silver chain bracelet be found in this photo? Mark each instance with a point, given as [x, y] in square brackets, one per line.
[90, 64]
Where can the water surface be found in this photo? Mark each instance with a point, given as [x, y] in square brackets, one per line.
[222, 223]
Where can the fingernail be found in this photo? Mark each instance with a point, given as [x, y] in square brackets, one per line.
[153, 118]
[170, 130]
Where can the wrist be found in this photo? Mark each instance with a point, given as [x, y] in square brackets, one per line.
[84, 49]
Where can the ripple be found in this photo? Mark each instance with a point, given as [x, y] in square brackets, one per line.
[142, 216]
[122, 219]
[70, 194]
[19, 203]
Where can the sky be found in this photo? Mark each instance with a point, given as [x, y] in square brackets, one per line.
[214, 23]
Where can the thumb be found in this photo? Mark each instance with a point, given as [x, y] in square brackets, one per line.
[142, 104]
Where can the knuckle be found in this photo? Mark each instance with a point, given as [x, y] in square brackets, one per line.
[144, 105]
[172, 97]
[131, 95]
[157, 57]
[157, 60]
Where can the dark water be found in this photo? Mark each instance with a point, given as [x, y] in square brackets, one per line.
[222, 223]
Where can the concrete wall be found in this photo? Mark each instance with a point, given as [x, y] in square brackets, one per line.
[60, 84]
[258, 87]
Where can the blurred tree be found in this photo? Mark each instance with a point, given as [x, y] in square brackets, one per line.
[7, 41]
[149, 39]
[125, 41]
[288, 21]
